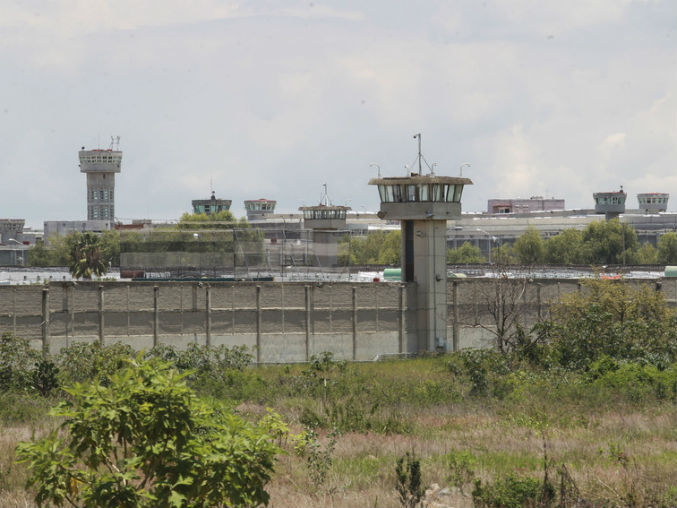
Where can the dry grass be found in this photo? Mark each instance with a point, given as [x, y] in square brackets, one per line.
[619, 454]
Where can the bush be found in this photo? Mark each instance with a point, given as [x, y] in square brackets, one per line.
[614, 319]
[17, 362]
[512, 492]
[92, 361]
[145, 440]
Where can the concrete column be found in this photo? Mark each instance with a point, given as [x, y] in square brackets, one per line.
[455, 329]
[156, 315]
[101, 317]
[401, 320]
[307, 291]
[354, 322]
[430, 275]
[258, 324]
[208, 316]
[45, 322]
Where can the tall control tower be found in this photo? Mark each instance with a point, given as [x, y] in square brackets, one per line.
[423, 204]
[100, 165]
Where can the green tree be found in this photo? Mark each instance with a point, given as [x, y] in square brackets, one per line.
[465, 254]
[146, 440]
[615, 319]
[220, 220]
[608, 242]
[564, 248]
[667, 248]
[376, 248]
[647, 254]
[504, 254]
[85, 256]
[529, 247]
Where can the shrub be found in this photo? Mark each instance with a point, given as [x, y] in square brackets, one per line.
[614, 319]
[92, 361]
[145, 440]
[17, 361]
[408, 481]
[512, 492]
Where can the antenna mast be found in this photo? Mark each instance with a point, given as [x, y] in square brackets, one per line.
[324, 200]
[419, 151]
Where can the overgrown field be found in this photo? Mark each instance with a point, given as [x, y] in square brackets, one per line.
[579, 412]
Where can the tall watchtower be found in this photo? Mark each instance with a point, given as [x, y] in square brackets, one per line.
[100, 166]
[611, 204]
[327, 221]
[423, 204]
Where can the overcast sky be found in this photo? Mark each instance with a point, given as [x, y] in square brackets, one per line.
[275, 98]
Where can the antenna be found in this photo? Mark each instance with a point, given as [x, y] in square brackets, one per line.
[418, 135]
[115, 143]
[324, 200]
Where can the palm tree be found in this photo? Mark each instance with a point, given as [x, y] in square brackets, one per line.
[86, 257]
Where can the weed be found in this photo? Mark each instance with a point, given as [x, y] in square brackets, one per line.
[408, 481]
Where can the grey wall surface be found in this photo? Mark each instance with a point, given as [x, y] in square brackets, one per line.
[282, 322]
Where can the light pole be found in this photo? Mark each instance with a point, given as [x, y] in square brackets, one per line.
[490, 238]
[464, 165]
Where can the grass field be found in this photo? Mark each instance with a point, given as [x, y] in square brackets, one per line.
[464, 416]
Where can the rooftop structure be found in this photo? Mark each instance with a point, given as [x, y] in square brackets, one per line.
[519, 205]
[211, 205]
[10, 230]
[611, 204]
[259, 208]
[653, 202]
[100, 167]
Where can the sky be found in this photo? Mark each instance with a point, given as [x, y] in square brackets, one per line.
[275, 98]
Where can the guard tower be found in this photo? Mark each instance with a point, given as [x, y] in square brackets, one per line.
[100, 167]
[653, 202]
[259, 208]
[211, 205]
[326, 222]
[611, 204]
[423, 204]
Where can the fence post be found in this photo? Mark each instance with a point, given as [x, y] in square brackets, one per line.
[14, 314]
[354, 320]
[455, 330]
[70, 311]
[538, 299]
[258, 324]
[101, 339]
[156, 315]
[208, 317]
[401, 320]
[45, 322]
[307, 290]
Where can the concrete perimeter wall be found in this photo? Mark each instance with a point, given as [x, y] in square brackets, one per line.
[281, 322]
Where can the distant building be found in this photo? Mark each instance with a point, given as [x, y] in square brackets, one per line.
[63, 227]
[100, 167]
[653, 202]
[520, 205]
[210, 206]
[10, 230]
[259, 208]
